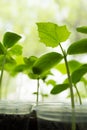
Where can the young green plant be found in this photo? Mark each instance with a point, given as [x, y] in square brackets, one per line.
[53, 35]
[44, 64]
[8, 50]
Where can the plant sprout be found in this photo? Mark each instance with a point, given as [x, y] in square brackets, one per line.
[8, 50]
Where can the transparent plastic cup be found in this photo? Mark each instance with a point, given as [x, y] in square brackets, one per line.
[14, 115]
[59, 116]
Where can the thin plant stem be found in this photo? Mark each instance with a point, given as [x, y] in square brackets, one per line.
[38, 84]
[69, 77]
[71, 89]
[1, 76]
[78, 94]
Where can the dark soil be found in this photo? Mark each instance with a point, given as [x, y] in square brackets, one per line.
[14, 122]
[52, 125]
[33, 121]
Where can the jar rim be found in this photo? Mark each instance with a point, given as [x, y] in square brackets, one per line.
[61, 111]
[15, 107]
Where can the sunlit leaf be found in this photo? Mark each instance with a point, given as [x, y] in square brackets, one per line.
[59, 88]
[77, 74]
[46, 62]
[9, 67]
[82, 29]
[51, 82]
[15, 50]
[10, 39]
[73, 64]
[78, 47]
[61, 67]
[19, 59]
[51, 34]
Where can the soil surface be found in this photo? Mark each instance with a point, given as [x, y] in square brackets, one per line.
[14, 122]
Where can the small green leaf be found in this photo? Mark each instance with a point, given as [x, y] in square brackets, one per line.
[30, 61]
[20, 68]
[19, 59]
[51, 81]
[73, 65]
[61, 67]
[43, 76]
[9, 62]
[35, 93]
[78, 47]
[82, 29]
[15, 50]
[32, 75]
[77, 74]
[10, 39]
[2, 49]
[51, 34]
[46, 62]
[44, 95]
[9, 67]
[59, 88]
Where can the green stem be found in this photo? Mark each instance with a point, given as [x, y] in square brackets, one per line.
[69, 77]
[71, 88]
[38, 84]
[1, 76]
[78, 94]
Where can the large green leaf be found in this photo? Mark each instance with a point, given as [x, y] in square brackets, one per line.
[77, 74]
[46, 62]
[78, 47]
[10, 39]
[82, 29]
[51, 34]
[59, 88]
